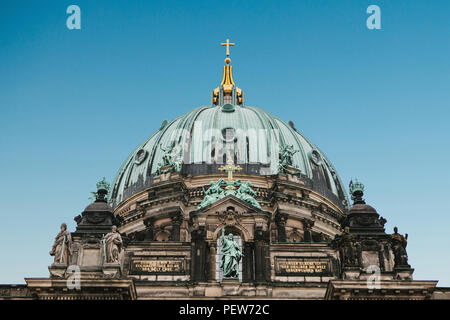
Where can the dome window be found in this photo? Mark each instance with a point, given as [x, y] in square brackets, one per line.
[228, 134]
[315, 157]
[140, 156]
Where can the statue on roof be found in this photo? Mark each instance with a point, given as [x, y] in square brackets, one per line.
[169, 163]
[103, 185]
[102, 190]
[246, 193]
[349, 248]
[356, 190]
[112, 246]
[214, 193]
[286, 163]
[62, 247]
[399, 243]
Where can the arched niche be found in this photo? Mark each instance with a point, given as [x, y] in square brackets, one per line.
[162, 236]
[238, 237]
[245, 235]
[295, 236]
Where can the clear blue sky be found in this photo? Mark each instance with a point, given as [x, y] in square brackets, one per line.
[75, 103]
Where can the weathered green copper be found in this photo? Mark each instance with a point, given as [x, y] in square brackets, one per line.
[245, 193]
[214, 193]
[231, 255]
[101, 185]
[239, 190]
[286, 164]
[168, 163]
[356, 188]
[259, 137]
[228, 108]
[93, 196]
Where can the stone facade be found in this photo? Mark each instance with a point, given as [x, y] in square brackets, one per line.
[159, 235]
[297, 246]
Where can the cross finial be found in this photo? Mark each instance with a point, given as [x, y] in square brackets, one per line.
[228, 45]
[230, 168]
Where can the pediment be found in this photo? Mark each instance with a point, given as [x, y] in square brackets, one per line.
[230, 200]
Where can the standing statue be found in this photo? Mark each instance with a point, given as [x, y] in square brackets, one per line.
[214, 193]
[62, 247]
[112, 245]
[231, 256]
[399, 243]
[246, 193]
[348, 248]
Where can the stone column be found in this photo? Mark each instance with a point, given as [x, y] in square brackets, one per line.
[262, 258]
[307, 234]
[280, 221]
[176, 222]
[212, 261]
[248, 262]
[199, 255]
[148, 222]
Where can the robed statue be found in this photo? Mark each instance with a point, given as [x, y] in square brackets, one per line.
[349, 248]
[62, 247]
[112, 246]
[231, 255]
[399, 243]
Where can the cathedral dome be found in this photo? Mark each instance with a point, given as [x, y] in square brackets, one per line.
[202, 140]
[203, 137]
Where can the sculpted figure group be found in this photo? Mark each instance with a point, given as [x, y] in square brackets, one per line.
[350, 249]
[168, 160]
[241, 190]
[286, 159]
[62, 247]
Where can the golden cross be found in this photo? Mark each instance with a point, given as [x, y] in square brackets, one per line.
[230, 168]
[227, 44]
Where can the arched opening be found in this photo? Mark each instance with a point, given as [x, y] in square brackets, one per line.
[295, 236]
[162, 236]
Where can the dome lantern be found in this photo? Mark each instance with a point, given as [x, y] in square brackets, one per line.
[227, 92]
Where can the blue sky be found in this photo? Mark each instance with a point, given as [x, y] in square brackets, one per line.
[75, 103]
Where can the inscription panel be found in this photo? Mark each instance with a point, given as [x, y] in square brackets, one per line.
[158, 265]
[302, 266]
[90, 257]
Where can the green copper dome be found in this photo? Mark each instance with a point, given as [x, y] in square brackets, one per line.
[203, 137]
